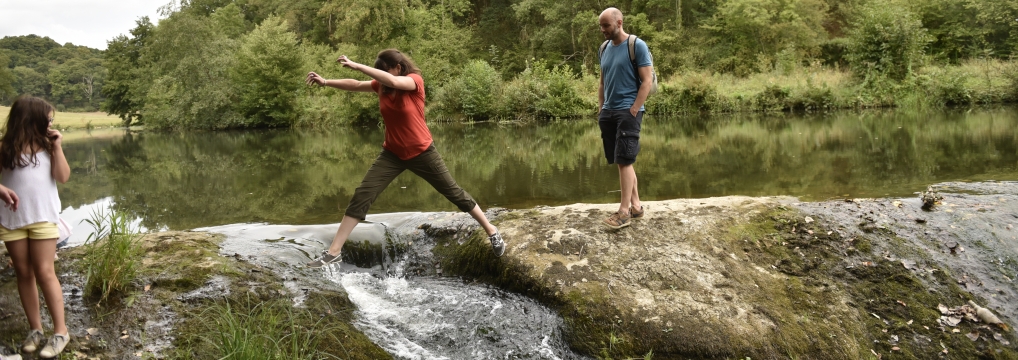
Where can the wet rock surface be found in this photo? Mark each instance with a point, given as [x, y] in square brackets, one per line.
[970, 233]
[764, 277]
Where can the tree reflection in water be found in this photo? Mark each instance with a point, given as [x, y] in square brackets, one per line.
[188, 180]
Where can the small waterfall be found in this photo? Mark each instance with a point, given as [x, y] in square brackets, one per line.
[403, 303]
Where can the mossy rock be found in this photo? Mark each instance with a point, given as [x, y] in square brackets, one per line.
[165, 315]
[731, 277]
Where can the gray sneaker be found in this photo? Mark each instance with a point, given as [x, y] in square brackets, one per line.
[33, 341]
[55, 345]
[497, 244]
[326, 259]
[10, 357]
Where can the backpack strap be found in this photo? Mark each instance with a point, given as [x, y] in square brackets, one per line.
[632, 49]
[600, 52]
[632, 56]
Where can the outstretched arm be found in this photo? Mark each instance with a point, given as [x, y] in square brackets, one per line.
[383, 77]
[342, 84]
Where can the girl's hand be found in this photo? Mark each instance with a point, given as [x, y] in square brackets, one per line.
[349, 63]
[9, 198]
[55, 136]
[314, 78]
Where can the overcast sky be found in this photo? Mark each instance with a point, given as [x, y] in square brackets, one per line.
[81, 22]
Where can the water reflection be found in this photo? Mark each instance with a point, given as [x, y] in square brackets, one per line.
[184, 181]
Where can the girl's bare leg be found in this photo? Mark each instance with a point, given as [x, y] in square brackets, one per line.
[42, 253]
[478, 215]
[19, 253]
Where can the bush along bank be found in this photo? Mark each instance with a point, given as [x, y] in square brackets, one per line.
[541, 92]
[189, 302]
[819, 89]
[730, 278]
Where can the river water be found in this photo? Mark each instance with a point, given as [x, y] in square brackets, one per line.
[279, 194]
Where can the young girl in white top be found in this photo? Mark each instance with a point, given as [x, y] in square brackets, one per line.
[31, 163]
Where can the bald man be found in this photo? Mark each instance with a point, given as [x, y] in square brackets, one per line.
[620, 97]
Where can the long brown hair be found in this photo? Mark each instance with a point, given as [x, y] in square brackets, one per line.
[389, 58]
[27, 126]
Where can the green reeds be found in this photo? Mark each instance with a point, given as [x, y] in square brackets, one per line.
[111, 256]
[254, 329]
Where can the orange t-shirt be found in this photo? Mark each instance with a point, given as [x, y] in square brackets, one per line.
[406, 134]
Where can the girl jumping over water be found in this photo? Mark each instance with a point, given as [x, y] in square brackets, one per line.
[407, 146]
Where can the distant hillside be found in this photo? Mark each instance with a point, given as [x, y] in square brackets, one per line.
[68, 76]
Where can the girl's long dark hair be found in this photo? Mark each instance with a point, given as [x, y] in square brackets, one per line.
[27, 126]
[389, 58]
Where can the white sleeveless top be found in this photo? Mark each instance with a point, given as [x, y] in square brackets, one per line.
[37, 193]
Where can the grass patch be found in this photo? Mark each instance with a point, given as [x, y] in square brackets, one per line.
[63, 120]
[252, 328]
[111, 255]
[260, 330]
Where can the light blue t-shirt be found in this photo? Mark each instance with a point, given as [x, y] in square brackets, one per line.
[621, 83]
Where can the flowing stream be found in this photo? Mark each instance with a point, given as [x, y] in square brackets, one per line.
[413, 317]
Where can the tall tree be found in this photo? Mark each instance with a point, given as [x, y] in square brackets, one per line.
[126, 82]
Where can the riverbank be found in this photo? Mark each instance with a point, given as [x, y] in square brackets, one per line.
[810, 89]
[728, 277]
[823, 89]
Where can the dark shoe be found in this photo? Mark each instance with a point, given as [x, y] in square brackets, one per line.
[326, 259]
[55, 345]
[497, 244]
[636, 214]
[33, 341]
[617, 220]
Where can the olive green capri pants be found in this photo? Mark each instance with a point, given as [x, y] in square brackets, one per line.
[428, 165]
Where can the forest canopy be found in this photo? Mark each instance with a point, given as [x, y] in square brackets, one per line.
[239, 63]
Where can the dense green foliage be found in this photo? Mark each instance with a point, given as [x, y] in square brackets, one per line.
[215, 64]
[887, 39]
[70, 77]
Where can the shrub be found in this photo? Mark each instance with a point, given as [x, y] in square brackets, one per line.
[813, 98]
[110, 259]
[544, 93]
[887, 40]
[1011, 75]
[695, 94]
[481, 85]
[771, 98]
[267, 75]
[475, 93]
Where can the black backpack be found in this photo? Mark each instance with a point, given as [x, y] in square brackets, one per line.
[632, 60]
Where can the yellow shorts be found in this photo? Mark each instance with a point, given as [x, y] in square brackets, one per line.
[38, 231]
